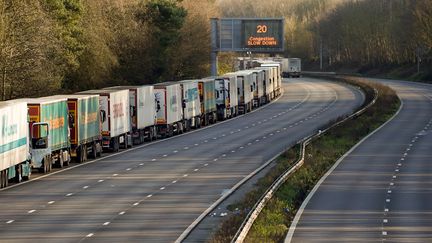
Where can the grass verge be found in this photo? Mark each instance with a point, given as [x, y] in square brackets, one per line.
[275, 219]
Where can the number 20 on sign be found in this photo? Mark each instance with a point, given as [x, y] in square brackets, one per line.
[261, 29]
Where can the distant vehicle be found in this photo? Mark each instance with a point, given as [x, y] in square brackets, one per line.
[116, 124]
[291, 67]
[207, 94]
[191, 104]
[142, 112]
[169, 111]
[226, 96]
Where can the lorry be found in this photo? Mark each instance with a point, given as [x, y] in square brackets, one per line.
[291, 67]
[207, 96]
[268, 83]
[191, 104]
[244, 91]
[277, 77]
[226, 96]
[14, 142]
[85, 126]
[49, 132]
[115, 118]
[142, 112]
[258, 83]
[169, 111]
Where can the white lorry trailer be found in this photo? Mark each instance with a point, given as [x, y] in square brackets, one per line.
[14, 142]
[142, 112]
[244, 91]
[226, 96]
[191, 104]
[169, 112]
[116, 125]
[291, 67]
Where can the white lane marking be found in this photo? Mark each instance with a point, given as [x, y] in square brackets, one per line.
[175, 151]
[300, 211]
[215, 160]
[249, 144]
[389, 191]
[69, 194]
[51, 202]
[391, 184]
[129, 169]
[247, 127]
[99, 181]
[384, 233]
[106, 223]
[223, 155]
[385, 221]
[205, 141]
[122, 212]
[174, 182]
[284, 128]
[196, 170]
[85, 187]
[241, 147]
[136, 204]
[115, 174]
[397, 170]
[264, 137]
[232, 132]
[394, 177]
[162, 188]
[31, 211]
[149, 196]
[386, 210]
[10, 221]
[196, 144]
[141, 164]
[233, 151]
[257, 140]
[238, 130]
[205, 164]
[271, 134]
[185, 175]
[387, 200]
[186, 148]
[400, 164]
[215, 138]
[165, 155]
[89, 235]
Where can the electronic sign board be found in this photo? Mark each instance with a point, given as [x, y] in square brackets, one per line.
[262, 34]
[259, 35]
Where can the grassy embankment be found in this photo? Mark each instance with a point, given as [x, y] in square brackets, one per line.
[273, 222]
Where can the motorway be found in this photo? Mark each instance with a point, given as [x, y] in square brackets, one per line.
[382, 190]
[152, 193]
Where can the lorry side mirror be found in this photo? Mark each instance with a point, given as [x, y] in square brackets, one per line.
[103, 115]
[71, 119]
[158, 107]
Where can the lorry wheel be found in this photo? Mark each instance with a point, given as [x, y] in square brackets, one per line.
[116, 145]
[60, 160]
[93, 154]
[2, 179]
[18, 174]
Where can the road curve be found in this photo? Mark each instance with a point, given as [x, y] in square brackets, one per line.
[153, 193]
[382, 190]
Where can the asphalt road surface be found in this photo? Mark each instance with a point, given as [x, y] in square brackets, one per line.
[153, 193]
[382, 191]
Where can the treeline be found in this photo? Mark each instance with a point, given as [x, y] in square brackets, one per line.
[362, 34]
[52, 46]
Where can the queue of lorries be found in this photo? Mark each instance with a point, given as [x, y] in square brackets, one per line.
[39, 133]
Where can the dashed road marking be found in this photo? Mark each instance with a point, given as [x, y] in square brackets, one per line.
[196, 170]
[174, 182]
[99, 181]
[136, 204]
[31, 211]
[69, 194]
[153, 159]
[205, 164]
[175, 151]
[384, 233]
[106, 223]
[215, 160]
[389, 191]
[128, 169]
[185, 175]
[165, 155]
[51, 202]
[162, 188]
[115, 174]
[122, 212]
[386, 210]
[385, 221]
[149, 196]
[85, 187]
[186, 148]
[89, 235]
[387, 200]
[10, 221]
[141, 164]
